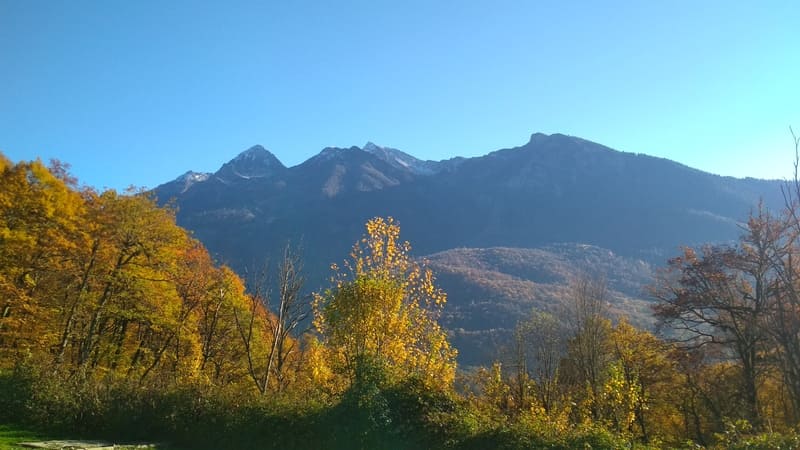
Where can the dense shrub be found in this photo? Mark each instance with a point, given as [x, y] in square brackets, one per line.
[371, 414]
[518, 437]
[739, 435]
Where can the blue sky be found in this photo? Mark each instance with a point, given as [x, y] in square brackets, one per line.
[138, 92]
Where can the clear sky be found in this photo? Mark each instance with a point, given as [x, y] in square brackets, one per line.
[138, 92]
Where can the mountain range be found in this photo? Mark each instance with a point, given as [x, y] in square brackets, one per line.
[504, 231]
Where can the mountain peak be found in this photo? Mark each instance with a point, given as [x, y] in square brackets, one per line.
[371, 147]
[256, 152]
[385, 153]
[329, 153]
[555, 138]
[255, 162]
[537, 138]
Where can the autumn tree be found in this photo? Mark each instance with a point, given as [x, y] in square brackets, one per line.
[721, 298]
[537, 349]
[289, 312]
[383, 308]
[649, 373]
[207, 341]
[137, 247]
[222, 298]
[106, 282]
[267, 328]
[588, 347]
[252, 324]
[40, 228]
[782, 234]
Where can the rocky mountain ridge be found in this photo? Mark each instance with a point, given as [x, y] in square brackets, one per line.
[551, 203]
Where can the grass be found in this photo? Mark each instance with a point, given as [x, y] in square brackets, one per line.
[11, 435]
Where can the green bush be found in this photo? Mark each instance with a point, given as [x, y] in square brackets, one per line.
[525, 435]
[739, 435]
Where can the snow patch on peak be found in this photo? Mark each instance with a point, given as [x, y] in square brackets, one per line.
[402, 160]
[194, 177]
[190, 178]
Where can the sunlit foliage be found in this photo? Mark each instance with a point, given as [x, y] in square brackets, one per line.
[384, 307]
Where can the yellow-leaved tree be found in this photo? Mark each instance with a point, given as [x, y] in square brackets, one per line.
[383, 309]
[40, 227]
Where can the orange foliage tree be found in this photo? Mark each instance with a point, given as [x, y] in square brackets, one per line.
[108, 284]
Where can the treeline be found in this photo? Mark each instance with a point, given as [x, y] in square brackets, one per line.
[115, 322]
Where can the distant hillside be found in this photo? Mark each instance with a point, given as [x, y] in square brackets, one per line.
[490, 289]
